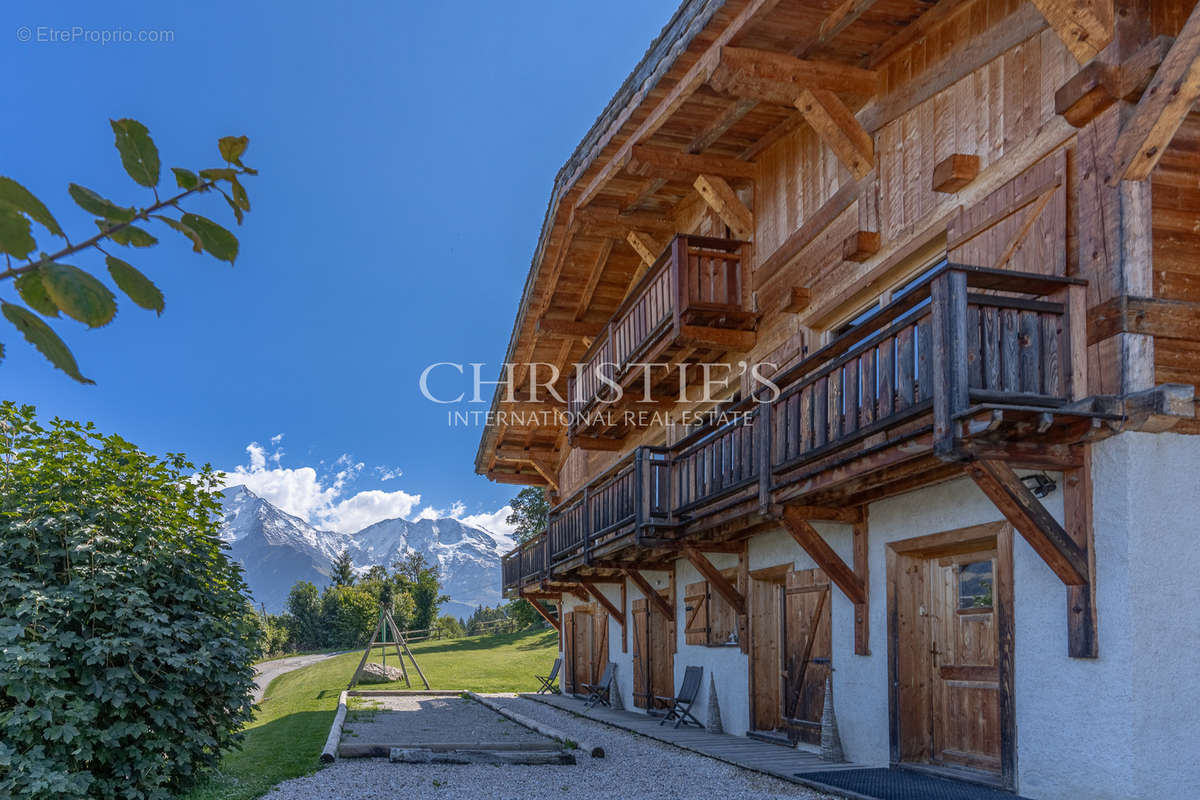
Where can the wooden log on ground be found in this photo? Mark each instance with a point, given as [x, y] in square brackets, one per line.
[545, 730]
[425, 756]
[384, 749]
[329, 753]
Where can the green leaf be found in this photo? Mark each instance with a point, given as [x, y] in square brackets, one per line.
[218, 173]
[185, 178]
[239, 195]
[232, 147]
[130, 235]
[79, 294]
[140, 289]
[95, 204]
[33, 292]
[216, 240]
[15, 238]
[20, 198]
[41, 336]
[197, 244]
[139, 156]
[237, 211]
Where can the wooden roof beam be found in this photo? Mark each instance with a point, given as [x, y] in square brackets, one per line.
[838, 128]
[658, 162]
[778, 78]
[555, 326]
[1163, 107]
[1031, 519]
[811, 542]
[724, 201]
[612, 223]
[718, 581]
[1085, 26]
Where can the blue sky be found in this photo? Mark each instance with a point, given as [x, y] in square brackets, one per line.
[406, 153]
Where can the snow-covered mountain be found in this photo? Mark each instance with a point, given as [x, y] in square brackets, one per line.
[277, 549]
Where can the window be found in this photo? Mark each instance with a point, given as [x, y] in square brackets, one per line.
[887, 297]
[975, 586]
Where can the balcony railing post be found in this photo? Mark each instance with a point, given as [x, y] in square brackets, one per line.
[765, 437]
[949, 334]
[679, 280]
[588, 523]
[639, 492]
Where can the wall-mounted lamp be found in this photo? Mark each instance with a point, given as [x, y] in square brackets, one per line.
[1040, 484]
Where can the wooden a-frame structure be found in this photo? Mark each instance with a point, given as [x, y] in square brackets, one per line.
[391, 637]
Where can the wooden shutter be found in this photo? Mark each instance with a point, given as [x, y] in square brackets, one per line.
[695, 609]
[721, 616]
[567, 671]
[808, 650]
[641, 653]
[1021, 226]
[599, 642]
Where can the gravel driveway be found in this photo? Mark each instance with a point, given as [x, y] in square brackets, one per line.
[635, 767]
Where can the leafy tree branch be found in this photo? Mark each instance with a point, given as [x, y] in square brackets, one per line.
[49, 287]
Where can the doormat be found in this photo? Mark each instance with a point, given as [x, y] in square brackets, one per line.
[901, 784]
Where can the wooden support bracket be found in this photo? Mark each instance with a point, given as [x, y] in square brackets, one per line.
[722, 199]
[1099, 84]
[718, 581]
[1031, 519]
[609, 606]
[852, 582]
[647, 246]
[1166, 101]
[839, 129]
[537, 606]
[1085, 26]
[845, 578]
[651, 594]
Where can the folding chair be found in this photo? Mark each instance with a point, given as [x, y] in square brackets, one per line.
[681, 704]
[548, 680]
[599, 692]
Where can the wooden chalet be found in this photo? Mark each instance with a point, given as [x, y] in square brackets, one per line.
[876, 325]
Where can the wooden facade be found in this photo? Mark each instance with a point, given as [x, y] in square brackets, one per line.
[958, 240]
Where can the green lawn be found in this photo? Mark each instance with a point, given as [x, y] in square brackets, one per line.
[286, 737]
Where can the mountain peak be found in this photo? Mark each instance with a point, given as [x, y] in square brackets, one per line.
[276, 549]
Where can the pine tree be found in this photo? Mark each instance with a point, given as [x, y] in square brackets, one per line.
[342, 572]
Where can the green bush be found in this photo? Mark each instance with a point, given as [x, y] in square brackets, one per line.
[125, 639]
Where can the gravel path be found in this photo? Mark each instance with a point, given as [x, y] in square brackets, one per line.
[432, 720]
[635, 767]
[268, 671]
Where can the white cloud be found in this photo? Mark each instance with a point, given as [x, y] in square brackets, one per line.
[325, 500]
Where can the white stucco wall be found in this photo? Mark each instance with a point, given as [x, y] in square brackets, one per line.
[1116, 727]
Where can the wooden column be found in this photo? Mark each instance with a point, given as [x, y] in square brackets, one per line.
[948, 330]
[862, 623]
[1082, 641]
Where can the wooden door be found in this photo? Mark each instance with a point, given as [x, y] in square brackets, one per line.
[567, 670]
[766, 653]
[950, 650]
[965, 676]
[653, 654]
[581, 666]
[808, 653]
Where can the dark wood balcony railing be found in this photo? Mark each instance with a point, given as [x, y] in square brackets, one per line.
[697, 282]
[959, 339]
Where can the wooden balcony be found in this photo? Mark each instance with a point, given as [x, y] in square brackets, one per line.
[968, 363]
[692, 305]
